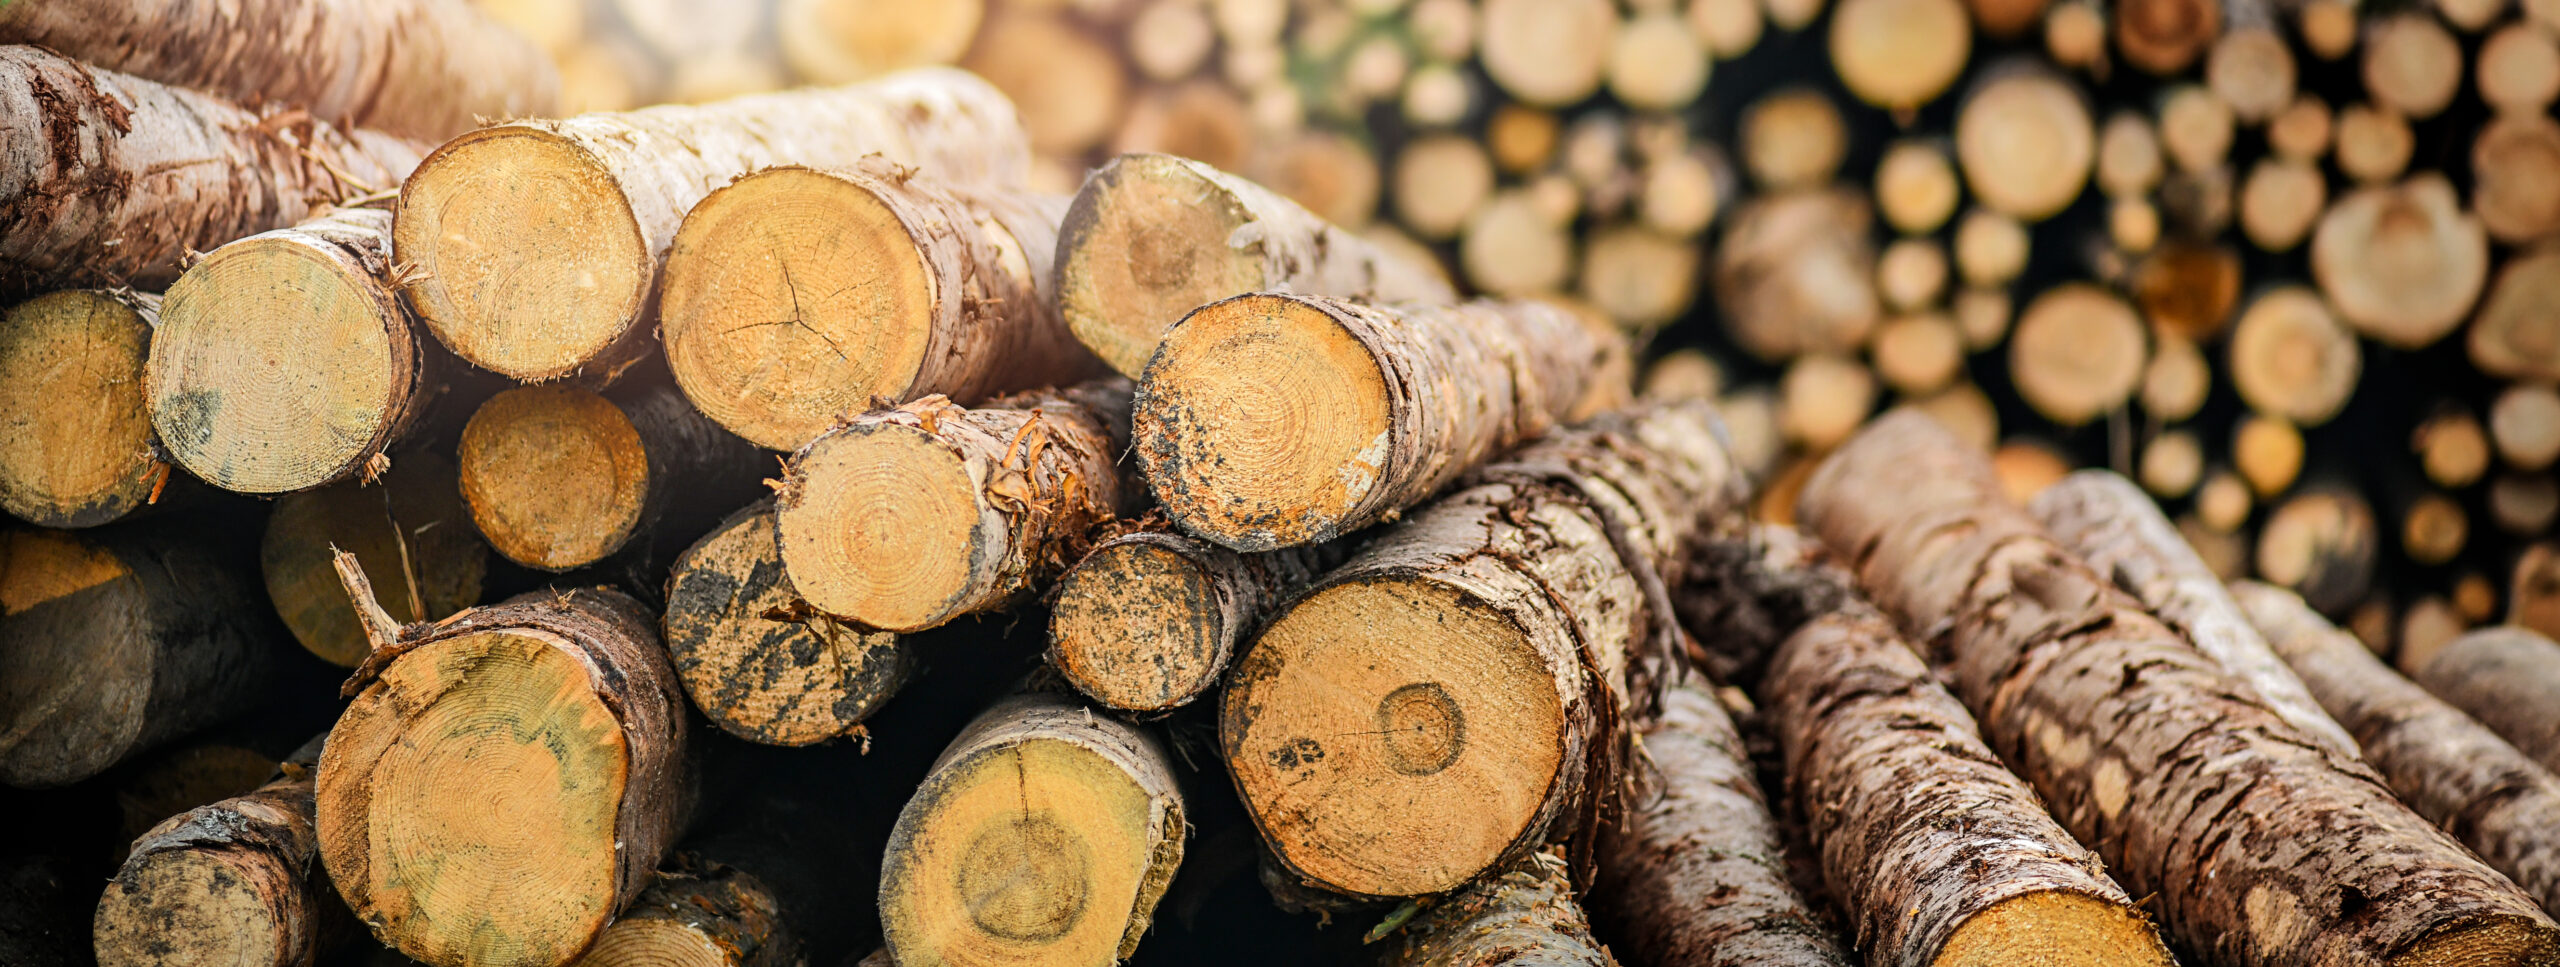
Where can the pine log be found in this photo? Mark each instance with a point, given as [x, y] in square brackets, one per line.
[2025, 141]
[560, 477]
[2267, 450]
[2163, 37]
[1549, 53]
[1795, 273]
[1148, 621]
[2075, 36]
[796, 296]
[2433, 530]
[114, 642]
[1899, 54]
[1525, 914]
[113, 178]
[906, 518]
[76, 448]
[2516, 333]
[2518, 69]
[1822, 398]
[1657, 62]
[2533, 595]
[2290, 357]
[1447, 700]
[2146, 748]
[842, 41]
[1276, 420]
[2078, 352]
[540, 242]
[2524, 422]
[409, 529]
[2412, 65]
[1201, 119]
[2504, 676]
[1152, 237]
[1440, 180]
[755, 658]
[2321, 544]
[2401, 264]
[1916, 189]
[1045, 833]
[1682, 192]
[2280, 201]
[2129, 160]
[557, 707]
[1520, 243]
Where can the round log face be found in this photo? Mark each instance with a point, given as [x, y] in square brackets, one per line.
[556, 476]
[756, 670]
[656, 942]
[76, 660]
[1147, 241]
[77, 449]
[192, 908]
[888, 526]
[2056, 928]
[1139, 629]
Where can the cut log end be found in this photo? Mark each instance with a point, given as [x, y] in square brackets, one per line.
[2507, 939]
[886, 524]
[1140, 626]
[79, 451]
[753, 660]
[656, 942]
[2057, 927]
[555, 475]
[411, 534]
[1148, 240]
[188, 907]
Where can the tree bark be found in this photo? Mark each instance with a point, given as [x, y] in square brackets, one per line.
[409, 529]
[560, 477]
[1526, 914]
[2505, 676]
[78, 450]
[1148, 621]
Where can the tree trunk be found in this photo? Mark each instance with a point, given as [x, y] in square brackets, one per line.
[904, 519]
[541, 242]
[78, 449]
[2262, 847]
[1149, 620]
[796, 296]
[1453, 696]
[1152, 237]
[1526, 914]
[2507, 677]
[560, 477]
[112, 178]
[409, 529]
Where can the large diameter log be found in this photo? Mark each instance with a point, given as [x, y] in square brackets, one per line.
[1527, 914]
[796, 296]
[904, 519]
[505, 781]
[1148, 621]
[1880, 757]
[112, 178]
[1447, 699]
[2121, 533]
[1697, 874]
[1045, 833]
[2262, 847]
[2506, 676]
[558, 476]
[756, 659]
[2444, 764]
[76, 448]
[115, 642]
[1152, 237]
[540, 241]
[1276, 420]
[409, 530]
[2401, 263]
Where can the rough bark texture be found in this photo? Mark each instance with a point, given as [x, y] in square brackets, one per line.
[1741, 596]
[76, 448]
[694, 906]
[2121, 533]
[1274, 420]
[107, 179]
[417, 68]
[1147, 621]
[1922, 831]
[2263, 847]
[1526, 914]
[1456, 693]
[1697, 875]
[2508, 678]
[2444, 764]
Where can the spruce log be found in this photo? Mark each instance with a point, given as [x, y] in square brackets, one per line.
[2253, 71]
[560, 477]
[2412, 65]
[1880, 758]
[756, 659]
[1071, 85]
[1044, 833]
[1451, 697]
[2507, 677]
[2268, 453]
[1526, 914]
[2262, 847]
[1794, 137]
[2444, 764]
[410, 531]
[906, 518]
[76, 448]
[1148, 621]
[506, 780]
[796, 296]
[1916, 188]
[2401, 263]
[540, 242]
[1550, 53]
[2280, 200]
[112, 178]
[1152, 237]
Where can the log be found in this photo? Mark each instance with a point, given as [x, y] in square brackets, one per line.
[2290, 357]
[1982, 314]
[2516, 333]
[1878, 758]
[2280, 201]
[2328, 27]
[2176, 380]
[1695, 876]
[1682, 192]
[1071, 85]
[2078, 352]
[703, 912]
[2223, 502]
[2172, 464]
[1639, 278]
[113, 178]
[1441, 180]
[424, 69]
[2433, 530]
[2524, 422]
[114, 642]
[842, 41]
[2267, 450]
[1140, 248]
[2430, 624]
[1519, 244]
[795, 296]
[2025, 466]
[2196, 127]
[1916, 187]
[1794, 138]
[2144, 747]
[755, 658]
[2443, 763]
[1795, 273]
[1730, 28]
[2320, 544]
[561, 705]
[903, 519]
[1658, 63]
[560, 477]
[409, 529]
[1521, 138]
[1435, 669]
[1044, 833]
[1966, 411]
[2504, 676]
[2188, 288]
[1899, 54]
[2252, 70]
[2198, 204]
[1919, 354]
[1990, 248]
[1822, 398]
[2025, 142]
[2401, 264]
[1912, 274]
[78, 450]
[2075, 36]
[2133, 224]
[1148, 621]
[2524, 504]
[1201, 119]
[2373, 145]
[2533, 595]
[541, 242]
[2129, 160]
[2301, 131]
[1276, 420]
[2514, 161]
[2474, 598]
[1548, 53]
[1526, 914]
[2412, 65]
[2518, 69]
[2163, 37]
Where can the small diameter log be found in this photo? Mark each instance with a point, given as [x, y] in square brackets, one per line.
[2301, 131]
[2176, 380]
[1916, 188]
[2280, 201]
[2403, 263]
[2262, 847]
[1276, 420]
[841, 41]
[1520, 243]
[1795, 273]
[2121, 534]
[287, 360]
[2433, 530]
[2515, 162]
[1526, 914]
[2518, 69]
[1696, 875]
[1440, 706]
[2290, 357]
[115, 642]
[2188, 289]
[1440, 181]
[424, 69]
[1822, 398]
[904, 519]
[2516, 333]
[560, 477]
[1071, 85]
[1550, 53]
[2533, 595]
[2025, 142]
[2196, 128]
[699, 913]
[2320, 544]
[2524, 422]
[2374, 145]
[411, 532]
[1638, 277]
[1990, 248]
[2163, 37]
[76, 448]
[756, 659]
[796, 296]
[540, 242]
[2443, 763]
[2452, 448]
[1045, 833]
[233, 883]
[2506, 677]
[1152, 237]
[113, 178]
[1879, 757]
[2267, 450]
[1657, 62]
[1899, 54]
[2129, 162]
[2172, 464]
[2524, 504]
[2412, 65]
[2253, 71]
[2078, 353]
[1148, 621]
[561, 706]
[2075, 35]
